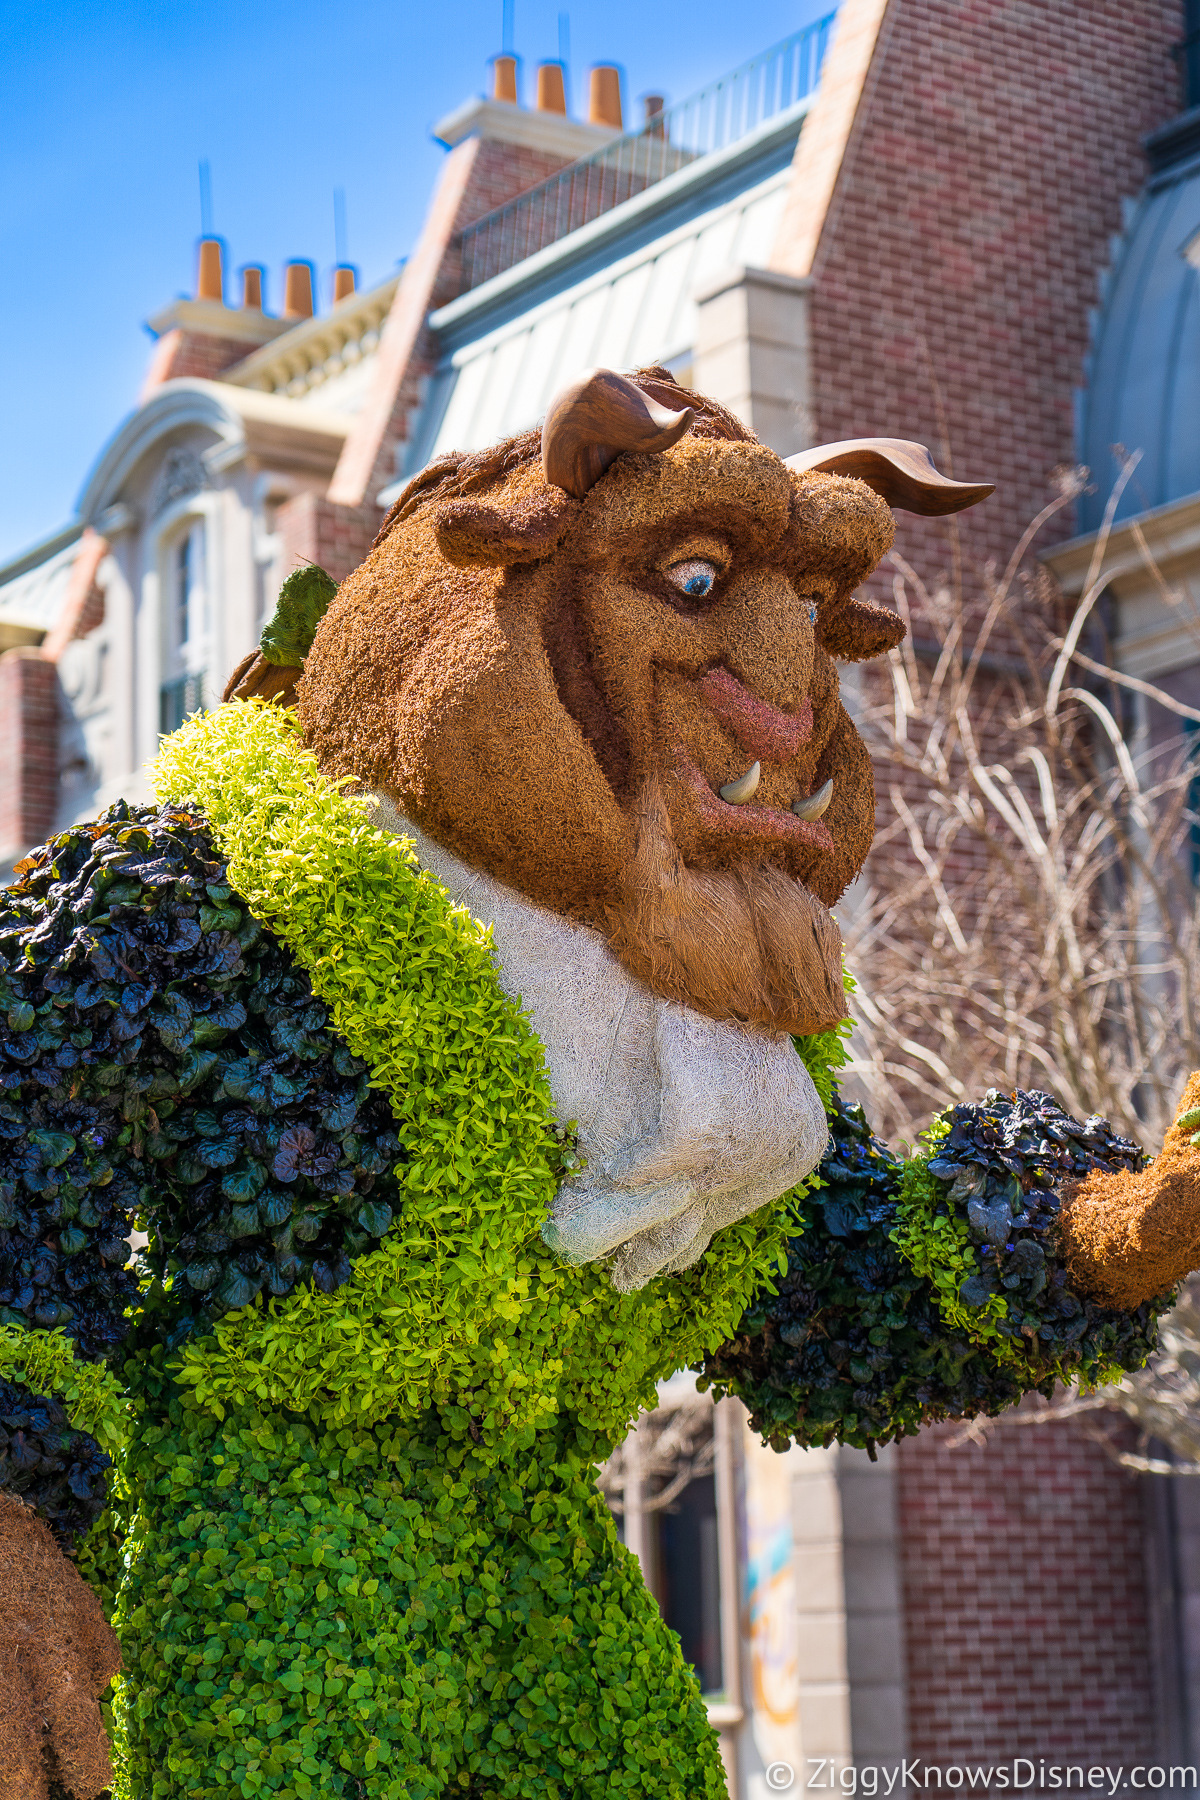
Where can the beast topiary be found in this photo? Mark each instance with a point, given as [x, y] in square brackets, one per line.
[441, 1038]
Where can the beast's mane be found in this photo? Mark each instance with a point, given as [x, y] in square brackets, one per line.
[458, 473]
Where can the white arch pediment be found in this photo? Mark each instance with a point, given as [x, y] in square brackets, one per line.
[296, 435]
[177, 404]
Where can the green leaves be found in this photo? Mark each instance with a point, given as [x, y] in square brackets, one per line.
[55, 1146]
[308, 1606]
[303, 602]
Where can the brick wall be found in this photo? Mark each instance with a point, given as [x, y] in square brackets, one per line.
[191, 355]
[983, 178]
[479, 175]
[28, 750]
[977, 196]
[1023, 1567]
[318, 530]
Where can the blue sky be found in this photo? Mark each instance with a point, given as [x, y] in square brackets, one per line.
[108, 109]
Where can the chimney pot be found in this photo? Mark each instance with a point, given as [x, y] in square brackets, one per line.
[504, 79]
[551, 90]
[343, 282]
[210, 284]
[605, 104]
[653, 104]
[297, 293]
[251, 289]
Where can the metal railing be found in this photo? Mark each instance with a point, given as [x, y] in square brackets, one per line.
[713, 119]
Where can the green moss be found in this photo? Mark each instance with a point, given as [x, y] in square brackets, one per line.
[1015, 1299]
[825, 1052]
[303, 602]
[936, 1242]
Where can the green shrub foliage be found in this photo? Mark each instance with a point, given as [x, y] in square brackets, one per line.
[999, 1170]
[303, 602]
[395, 1613]
[354, 1537]
[179, 1074]
[53, 1467]
[852, 1348]
[930, 1289]
[462, 1302]
[353, 1540]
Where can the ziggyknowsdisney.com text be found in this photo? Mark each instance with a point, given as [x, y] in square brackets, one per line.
[1020, 1775]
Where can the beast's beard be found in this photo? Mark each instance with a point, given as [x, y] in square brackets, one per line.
[750, 945]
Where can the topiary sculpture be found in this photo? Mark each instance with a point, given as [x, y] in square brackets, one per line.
[439, 1028]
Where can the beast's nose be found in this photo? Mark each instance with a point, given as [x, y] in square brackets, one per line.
[765, 731]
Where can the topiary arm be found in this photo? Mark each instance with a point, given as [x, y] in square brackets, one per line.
[936, 1287]
[57, 1656]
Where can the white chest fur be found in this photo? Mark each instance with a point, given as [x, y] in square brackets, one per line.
[685, 1123]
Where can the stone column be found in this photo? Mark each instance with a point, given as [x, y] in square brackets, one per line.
[751, 353]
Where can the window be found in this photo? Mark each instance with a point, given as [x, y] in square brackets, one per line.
[184, 589]
[663, 1486]
[185, 629]
[687, 1570]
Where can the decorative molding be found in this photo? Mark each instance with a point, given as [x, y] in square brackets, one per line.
[243, 422]
[316, 350]
[210, 318]
[1171, 533]
[117, 518]
[182, 474]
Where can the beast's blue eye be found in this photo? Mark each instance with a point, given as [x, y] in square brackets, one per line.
[694, 578]
[812, 615]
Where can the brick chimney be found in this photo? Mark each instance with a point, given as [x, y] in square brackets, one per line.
[203, 337]
[298, 291]
[604, 105]
[498, 149]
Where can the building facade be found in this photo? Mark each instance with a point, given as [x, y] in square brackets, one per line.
[893, 224]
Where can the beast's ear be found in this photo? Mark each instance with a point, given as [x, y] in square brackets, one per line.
[900, 472]
[476, 534]
[857, 631]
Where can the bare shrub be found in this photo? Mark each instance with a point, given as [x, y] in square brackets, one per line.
[1036, 921]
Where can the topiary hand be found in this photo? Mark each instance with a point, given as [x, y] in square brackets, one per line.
[57, 1655]
[1132, 1236]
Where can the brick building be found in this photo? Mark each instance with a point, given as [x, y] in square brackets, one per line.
[909, 247]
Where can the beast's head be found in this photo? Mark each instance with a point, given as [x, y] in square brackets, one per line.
[597, 662]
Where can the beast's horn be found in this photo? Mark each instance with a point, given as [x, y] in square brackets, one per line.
[903, 474]
[591, 422]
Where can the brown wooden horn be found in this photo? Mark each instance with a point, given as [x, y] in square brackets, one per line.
[902, 473]
[595, 419]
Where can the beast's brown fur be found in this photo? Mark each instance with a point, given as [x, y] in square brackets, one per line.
[57, 1656]
[1127, 1238]
[517, 672]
